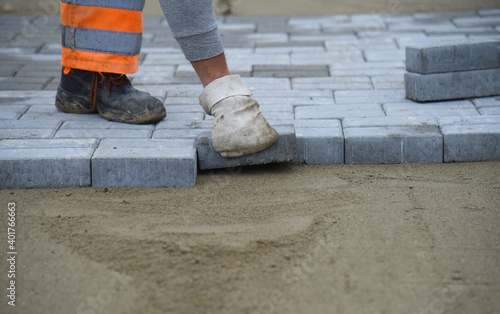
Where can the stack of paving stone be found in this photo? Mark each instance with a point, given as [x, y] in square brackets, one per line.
[453, 70]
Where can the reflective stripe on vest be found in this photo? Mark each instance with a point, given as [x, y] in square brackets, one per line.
[136, 5]
[101, 35]
[87, 39]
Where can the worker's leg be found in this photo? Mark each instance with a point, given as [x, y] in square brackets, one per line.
[239, 128]
[101, 42]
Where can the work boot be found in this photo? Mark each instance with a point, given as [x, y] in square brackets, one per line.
[111, 95]
[239, 128]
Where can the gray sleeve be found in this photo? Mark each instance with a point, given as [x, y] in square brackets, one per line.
[194, 26]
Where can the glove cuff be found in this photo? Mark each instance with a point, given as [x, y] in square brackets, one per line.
[220, 89]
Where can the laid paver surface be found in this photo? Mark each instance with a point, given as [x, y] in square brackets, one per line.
[339, 80]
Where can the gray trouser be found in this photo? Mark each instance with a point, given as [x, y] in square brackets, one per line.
[194, 27]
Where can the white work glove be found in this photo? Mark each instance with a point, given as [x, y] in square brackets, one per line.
[239, 128]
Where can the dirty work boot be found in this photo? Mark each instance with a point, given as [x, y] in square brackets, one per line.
[111, 95]
[239, 128]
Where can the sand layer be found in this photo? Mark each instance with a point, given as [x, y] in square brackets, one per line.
[267, 239]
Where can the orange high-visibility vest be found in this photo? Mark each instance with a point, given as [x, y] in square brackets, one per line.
[101, 35]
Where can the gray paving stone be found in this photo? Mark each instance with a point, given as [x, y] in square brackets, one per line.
[26, 124]
[249, 40]
[260, 59]
[150, 163]
[152, 75]
[26, 94]
[45, 163]
[320, 146]
[352, 122]
[452, 29]
[405, 41]
[487, 102]
[278, 115]
[388, 82]
[287, 47]
[9, 70]
[452, 57]
[476, 21]
[308, 123]
[433, 16]
[338, 111]
[285, 149]
[183, 90]
[326, 58]
[178, 133]
[164, 59]
[468, 120]
[363, 44]
[275, 107]
[298, 100]
[489, 110]
[50, 112]
[316, 93]
[181, 101]
[383, 79]
[409, 27]
[369, 96]
[290, 71]
[489, 12]
[452, 85]
[18, 133]
[446, 108]
[104, 124]
[103, 133]
[237, 67]
[239, 28]
[186, 108]
[367, 72]
[471, 142]
[381, 65]
[17, 86]
[189, 116]
[492, 36]
[408, 144]
[12, 111]
[384, 55]
[183, 124]
[266, 83]
[320, 37]
[332, 83]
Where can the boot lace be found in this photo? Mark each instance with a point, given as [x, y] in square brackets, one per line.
[112, 78]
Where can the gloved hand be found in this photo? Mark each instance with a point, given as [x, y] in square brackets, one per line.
[239, 128]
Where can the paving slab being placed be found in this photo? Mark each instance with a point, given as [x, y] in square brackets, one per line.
[283, 150]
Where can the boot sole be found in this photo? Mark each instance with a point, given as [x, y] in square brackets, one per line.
[121, 116]
[71, 103]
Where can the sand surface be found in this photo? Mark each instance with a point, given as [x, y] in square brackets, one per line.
[267, 239]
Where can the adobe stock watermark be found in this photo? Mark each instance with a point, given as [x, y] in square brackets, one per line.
[446, 298]
[31, 26]
[104, 297]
